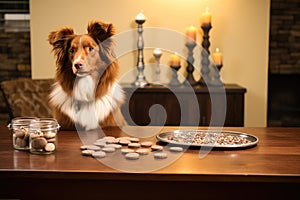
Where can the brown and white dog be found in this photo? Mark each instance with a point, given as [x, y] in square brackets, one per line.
[86, 93]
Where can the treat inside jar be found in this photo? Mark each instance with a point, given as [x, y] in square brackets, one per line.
[43, 136]
[21, 137]
[19, 127]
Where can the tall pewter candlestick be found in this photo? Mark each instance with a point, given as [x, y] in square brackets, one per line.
[190, 60]
[140, 79]
[205, 55]
[157, 54]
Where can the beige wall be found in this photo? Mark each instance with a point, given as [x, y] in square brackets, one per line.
[240, 30]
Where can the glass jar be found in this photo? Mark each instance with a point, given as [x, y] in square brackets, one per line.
[19, 128]
[43, 136]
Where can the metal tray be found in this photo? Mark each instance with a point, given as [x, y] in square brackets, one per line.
[208, 138]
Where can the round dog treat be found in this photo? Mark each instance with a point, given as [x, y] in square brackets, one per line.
[99, 143]
[87, 152]
[160, 155]
[146, 144]
[49, 134]
[142, 151]
[38, 143]
[157, 148]
[117, 146]
[108, 149]
[132, 156]
[21, 142]
[35, 135]
[109, 137]
[176, 149]
[112, 141]
[99, 154]
[50, 147]
[52, 140]
[134, 145]
[83, 147]
[133, 139]
[101, 140]
[92, 147]
[127, 151]
[124, 141]
[20, 133]
[109, 146]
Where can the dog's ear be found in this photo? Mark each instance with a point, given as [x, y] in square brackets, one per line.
[60, 40]
[100, 31]
[59, 36]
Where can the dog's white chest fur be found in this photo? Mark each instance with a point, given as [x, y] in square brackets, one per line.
[82, 107]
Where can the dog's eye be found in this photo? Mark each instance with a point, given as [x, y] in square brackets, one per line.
[91, 48]
[71, 50]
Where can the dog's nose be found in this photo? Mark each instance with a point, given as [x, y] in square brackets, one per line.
[78, 65]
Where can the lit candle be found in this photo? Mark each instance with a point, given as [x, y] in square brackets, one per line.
[206, 18]
[217, 57]
[140, 17]
[191, 33]
[175, 60]
[157, 52]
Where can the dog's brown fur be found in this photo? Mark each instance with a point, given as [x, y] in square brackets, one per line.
[79, 55]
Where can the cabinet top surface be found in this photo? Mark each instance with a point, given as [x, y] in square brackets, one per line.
[229, 88]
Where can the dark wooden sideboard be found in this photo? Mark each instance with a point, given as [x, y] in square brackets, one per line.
[186, 106]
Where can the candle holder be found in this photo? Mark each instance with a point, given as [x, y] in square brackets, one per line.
[204, 80]
[157, 55]
[219, 67]
[174, 81]
[140, 79]
[190, 67]
[216, 81]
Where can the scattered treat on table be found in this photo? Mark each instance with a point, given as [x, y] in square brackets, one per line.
[157, 148]
[129, 146]
[100, 143]
[99, 154]
[108, 149]
[87, 152]
[90, 147]
[124, 141]
[117, 146]
[124, 138]
[134, 139]
[134, 145]
[160, 155]
[147, 144]
[142, 151]
[132, 156]
[124, 151]
[112, 141]
[176, 149]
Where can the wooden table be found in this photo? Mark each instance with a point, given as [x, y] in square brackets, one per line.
[270, 169]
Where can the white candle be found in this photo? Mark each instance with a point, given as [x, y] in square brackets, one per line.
[140, 17]
[217, 57]
[191, 33]
[175, 60]
[157, 51]
[206, 18]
